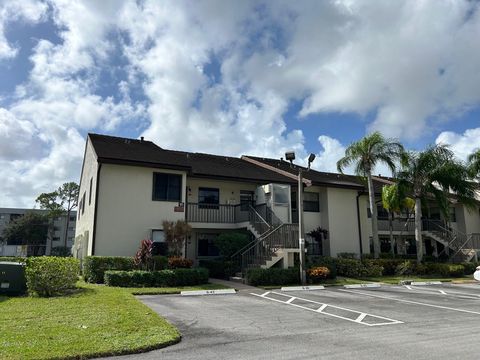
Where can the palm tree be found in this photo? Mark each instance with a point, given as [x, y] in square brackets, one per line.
[474, 163]
[364, 155]
[394, 200]
[435, 172]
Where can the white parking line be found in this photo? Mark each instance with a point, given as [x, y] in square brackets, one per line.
[324, 307]
[410, 301]
[443, 292]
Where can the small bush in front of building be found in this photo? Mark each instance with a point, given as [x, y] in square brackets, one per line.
[220, 269]
[64, 251]
[162, 278]
[347, 255]
[405, 268]
[159, 262]
[389, 264]
[178, 262]
[327, 261]
[317, 274]
[273, 276]
[470, 267]
[357, 269]
[94, 267]
[48, 275]
[13, 259]
[230, 243]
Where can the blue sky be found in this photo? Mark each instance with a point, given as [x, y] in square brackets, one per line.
[229, 77]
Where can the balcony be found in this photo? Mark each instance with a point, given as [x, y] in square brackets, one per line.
[217, 213]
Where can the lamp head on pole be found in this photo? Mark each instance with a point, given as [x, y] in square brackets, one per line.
[290, 156]
[310, 159]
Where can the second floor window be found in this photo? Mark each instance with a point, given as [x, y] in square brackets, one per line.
[311, 202]
[167, 187]
[208, 198]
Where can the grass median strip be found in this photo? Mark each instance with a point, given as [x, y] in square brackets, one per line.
[93, 321]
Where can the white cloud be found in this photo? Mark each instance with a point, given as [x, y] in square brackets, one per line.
[28, 11]
[461, 144]
[386, 58]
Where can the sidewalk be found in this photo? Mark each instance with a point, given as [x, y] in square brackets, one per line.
[232, 284]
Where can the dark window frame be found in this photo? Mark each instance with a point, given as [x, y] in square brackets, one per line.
[168, 196]
[90, 192]
[311, 205]
[210, 245]
[202, 204]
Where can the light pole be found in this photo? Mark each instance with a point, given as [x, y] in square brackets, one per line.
[290, 156]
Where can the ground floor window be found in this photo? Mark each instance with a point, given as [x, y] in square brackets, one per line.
[206, 244]
[160, 246]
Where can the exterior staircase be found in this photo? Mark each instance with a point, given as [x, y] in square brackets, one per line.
[458, 246]
[272, 238]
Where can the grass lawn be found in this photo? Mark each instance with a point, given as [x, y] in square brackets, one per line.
[95, 320]
[171, 290]
[397, 279]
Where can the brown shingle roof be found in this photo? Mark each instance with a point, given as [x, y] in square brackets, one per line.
[111, 149]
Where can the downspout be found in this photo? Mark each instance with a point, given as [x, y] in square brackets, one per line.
[359, 224]
[97, 186]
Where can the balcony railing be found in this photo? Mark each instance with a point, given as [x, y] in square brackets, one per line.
[217, 213]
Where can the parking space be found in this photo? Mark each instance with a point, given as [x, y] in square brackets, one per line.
[394, 322]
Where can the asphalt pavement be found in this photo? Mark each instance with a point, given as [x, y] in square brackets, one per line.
[390, 322]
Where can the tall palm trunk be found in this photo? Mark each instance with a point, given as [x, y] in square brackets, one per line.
[392, 243]
[373, 209]
[418, 229]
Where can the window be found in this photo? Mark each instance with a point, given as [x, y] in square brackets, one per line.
[206, 246]
[208, 198]
[453, 215]
[83, 202]
[56, 228]
[72, 218]
[382, 213]
[90, 192]
[56, 239]
[70, 228]
[167, 187]
[310, 202]
[246, 199]
[160, 246]
[280, 194]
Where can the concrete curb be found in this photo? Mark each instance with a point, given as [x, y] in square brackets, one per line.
[302, 288]
[361, 286]
[208, 292]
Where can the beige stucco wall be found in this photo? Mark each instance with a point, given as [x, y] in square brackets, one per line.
[365, 222]
[472, 220]
[126, 211]
[84, 225]
[229, 191]
[342, 221]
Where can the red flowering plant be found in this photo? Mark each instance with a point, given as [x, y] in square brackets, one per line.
[143, 257]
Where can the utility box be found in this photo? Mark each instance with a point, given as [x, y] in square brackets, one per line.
[12, 278]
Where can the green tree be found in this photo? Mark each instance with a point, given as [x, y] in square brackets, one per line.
[364, 155]
[435, 172]
[60, 202]
[394, 200]
[474, 164]
[175, 235]
[30, 229]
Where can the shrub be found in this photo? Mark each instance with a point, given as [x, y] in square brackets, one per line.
[159, 262]
[177, 262]
[405, 268]
[356, 269]
[350, 267]
[162, 278]
[47, 275]
[94, 267]
[327, 261]
[221, 269]
[64, 251]
[273, 276]
[347, 255]
[389, 265]
[317, 274]
[143, 257]
[229, 243]
[470, 267]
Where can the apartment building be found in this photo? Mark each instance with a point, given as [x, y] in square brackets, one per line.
[128, 187]
[55, 237]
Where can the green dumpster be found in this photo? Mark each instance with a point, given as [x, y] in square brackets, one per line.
[12, 278]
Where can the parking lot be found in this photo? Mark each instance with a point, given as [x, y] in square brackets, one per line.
[389, 322]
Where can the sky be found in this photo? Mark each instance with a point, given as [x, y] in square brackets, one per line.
[230, 77]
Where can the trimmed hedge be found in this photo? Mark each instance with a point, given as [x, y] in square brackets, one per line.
[94, 267]
[221, 269]
[50, 275]
[273, 276]
[159, 262]
[356, 269]
[162, 278]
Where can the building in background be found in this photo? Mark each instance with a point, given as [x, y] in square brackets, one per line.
[54, 240]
